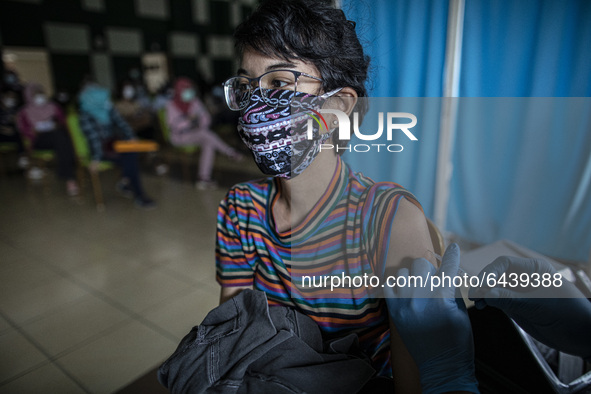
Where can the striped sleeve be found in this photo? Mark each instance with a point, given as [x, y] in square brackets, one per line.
[380, 206]
[232, 267]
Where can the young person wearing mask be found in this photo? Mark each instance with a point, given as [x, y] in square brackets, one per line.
[313, 204]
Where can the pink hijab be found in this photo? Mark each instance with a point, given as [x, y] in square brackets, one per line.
[181, 84]
[38, 113]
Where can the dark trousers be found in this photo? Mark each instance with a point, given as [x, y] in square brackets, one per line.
[130, 169]
[59, 142]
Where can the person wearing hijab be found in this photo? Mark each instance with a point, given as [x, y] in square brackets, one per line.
[189, 124]
[102, 124]
[43, 127]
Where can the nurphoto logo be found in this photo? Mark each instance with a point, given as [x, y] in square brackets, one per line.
[391, 122]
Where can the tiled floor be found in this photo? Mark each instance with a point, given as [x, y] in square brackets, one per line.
[90, 301]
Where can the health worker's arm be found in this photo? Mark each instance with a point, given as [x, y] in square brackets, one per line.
[435, 327]
[409, 240]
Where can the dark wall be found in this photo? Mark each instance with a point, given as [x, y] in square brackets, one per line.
[24, 24]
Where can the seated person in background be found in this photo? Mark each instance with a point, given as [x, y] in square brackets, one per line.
[102, 125]
[189, 123]
[11, 81]
[136, 79]
[63, 98]
[139, 117]
[9, 107]
[164, 95]
[43, 127]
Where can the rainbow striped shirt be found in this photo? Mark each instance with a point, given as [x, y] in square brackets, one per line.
[347, 233]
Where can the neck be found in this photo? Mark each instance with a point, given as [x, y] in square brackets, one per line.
[298, 196]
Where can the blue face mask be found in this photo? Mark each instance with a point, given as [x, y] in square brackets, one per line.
[187, 95]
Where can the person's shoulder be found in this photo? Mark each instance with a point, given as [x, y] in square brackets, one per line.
[393, 193]
[373, 188]
[245, 192]
[381, 193]
[380, 188]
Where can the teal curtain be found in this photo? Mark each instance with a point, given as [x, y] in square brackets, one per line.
[529, 178]
[406, 42]
[521, 164]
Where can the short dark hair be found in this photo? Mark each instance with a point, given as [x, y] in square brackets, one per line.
[313, 31]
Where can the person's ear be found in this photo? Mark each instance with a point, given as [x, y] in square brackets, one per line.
[347, 99]
[344, 100]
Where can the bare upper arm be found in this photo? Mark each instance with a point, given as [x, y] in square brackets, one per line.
[409, 239]
[229, 292]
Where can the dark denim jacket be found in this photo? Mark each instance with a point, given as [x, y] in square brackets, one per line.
[245, 346]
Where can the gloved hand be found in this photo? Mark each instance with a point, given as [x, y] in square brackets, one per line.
[435, 328]
[558, 316]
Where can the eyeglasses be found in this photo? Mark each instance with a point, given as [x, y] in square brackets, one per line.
[238, 90]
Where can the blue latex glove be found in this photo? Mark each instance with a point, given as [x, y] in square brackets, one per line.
[559, 317]
[435, 327]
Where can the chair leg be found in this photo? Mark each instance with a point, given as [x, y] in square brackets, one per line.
[81, 178]
[98, 191]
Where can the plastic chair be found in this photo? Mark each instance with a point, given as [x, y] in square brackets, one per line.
[83, 155]
[185, 153]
